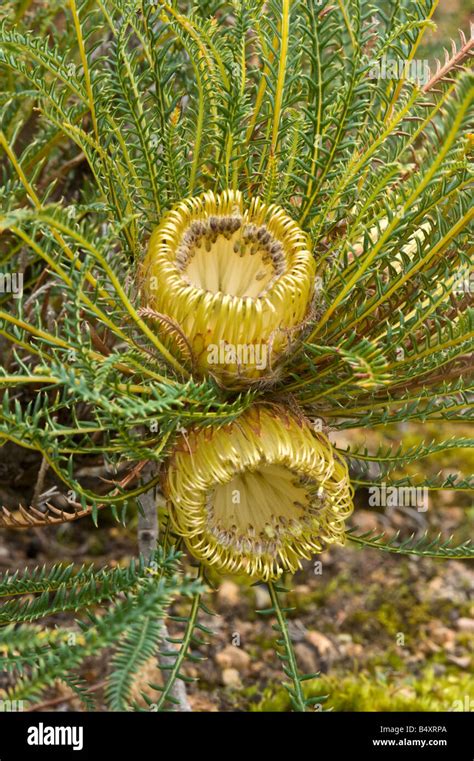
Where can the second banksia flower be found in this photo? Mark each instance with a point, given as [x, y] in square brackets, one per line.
[259, 494]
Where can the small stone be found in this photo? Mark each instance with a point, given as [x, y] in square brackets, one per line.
[306, 657]
[462, 662]
[262, 598]
[231, 678]
[301, 590]
[344, 639]
[233, 657]
[353, 650]
[323, 645]
[465, 624]
[228, 595]
[430, 647]
[200, 703]
[443, 636]
[454, 585]
[366, 520]
[297, 630]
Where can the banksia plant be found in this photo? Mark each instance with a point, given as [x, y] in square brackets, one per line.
[225, 238]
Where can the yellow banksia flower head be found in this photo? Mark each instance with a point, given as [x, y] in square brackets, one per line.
[230, 286]
[259, 494]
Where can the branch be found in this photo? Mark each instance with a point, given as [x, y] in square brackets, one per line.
[148, 532]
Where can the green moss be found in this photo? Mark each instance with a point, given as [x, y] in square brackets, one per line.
[402, 613]
[274, 699]
[250, 692]
[263, 642]
[382, 692]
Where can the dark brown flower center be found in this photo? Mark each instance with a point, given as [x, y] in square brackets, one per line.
[224, 255]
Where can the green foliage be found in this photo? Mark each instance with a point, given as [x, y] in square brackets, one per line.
[172, 658]
[155, 101]
[137, 599]
[286, 654]
[423, 547]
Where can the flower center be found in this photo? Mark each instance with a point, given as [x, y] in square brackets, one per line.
[260, 508]
[225, 255]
